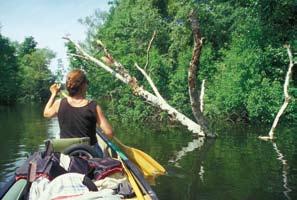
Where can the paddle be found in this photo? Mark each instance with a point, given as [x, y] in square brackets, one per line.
[150, 168]
[133, 182]
[129, 165]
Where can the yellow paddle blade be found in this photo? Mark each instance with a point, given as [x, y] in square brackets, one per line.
[149, 167]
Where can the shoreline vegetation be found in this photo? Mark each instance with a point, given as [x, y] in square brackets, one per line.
[24, 71]
[243, 59]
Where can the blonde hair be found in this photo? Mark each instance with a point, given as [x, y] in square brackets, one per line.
[75, 81]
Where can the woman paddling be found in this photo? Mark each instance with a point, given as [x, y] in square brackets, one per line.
[77, 115]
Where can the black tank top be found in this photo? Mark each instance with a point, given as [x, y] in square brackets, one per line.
[77, 121]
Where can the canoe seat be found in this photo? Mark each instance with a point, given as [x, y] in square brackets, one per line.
[59, 145]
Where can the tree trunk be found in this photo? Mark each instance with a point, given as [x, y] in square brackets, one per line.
[117, 70]
[195, 98]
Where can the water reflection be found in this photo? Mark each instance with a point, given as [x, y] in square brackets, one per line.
[191, 146]
[23, 131]
[201, 173]
[53, 130]
[202, 146]
[285, 168]
[235, 166]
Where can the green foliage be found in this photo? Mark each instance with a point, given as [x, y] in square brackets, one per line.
[264, 101]
[35, 75]
[8, 72]
[243, 59]
[278, 19]
[218, 20]
[126, 35]
[24, 71]
[27, 47]
[178, 83]
[249, 78]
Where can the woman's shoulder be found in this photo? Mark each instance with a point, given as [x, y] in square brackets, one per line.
[61, 101]
[91, 101]
[93, 104]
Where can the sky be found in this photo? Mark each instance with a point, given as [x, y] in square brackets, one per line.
[47, 21]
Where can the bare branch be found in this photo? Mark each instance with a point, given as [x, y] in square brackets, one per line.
[108, 59]
[76, 55]
[108, 56]
[96, 61]
[148, 78]
[122, 74]
[148, 50]
[202, 95]
[287, 97]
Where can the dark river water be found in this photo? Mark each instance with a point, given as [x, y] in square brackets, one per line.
[236, 165]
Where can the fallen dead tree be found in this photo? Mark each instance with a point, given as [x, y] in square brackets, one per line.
[109, 64]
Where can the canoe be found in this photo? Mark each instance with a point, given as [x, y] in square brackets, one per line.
[17, 188]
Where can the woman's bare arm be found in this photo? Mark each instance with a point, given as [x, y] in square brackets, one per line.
[52, 106]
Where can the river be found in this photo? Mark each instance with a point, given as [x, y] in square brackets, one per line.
[236, 165]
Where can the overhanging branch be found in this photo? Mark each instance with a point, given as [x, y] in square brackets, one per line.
[122, 74]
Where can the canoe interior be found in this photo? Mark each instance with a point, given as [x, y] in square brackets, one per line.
[17, 190]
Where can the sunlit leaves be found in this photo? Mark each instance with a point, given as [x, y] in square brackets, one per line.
[243, 59]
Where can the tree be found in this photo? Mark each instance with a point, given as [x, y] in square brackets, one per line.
[123, 75]
[8, 72]
[34, 71]
[242, 59]
[27, 47]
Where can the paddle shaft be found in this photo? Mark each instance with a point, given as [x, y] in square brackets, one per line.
[133, 182]
[129, 165]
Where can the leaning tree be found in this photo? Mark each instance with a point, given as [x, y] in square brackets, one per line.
[114, 67]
